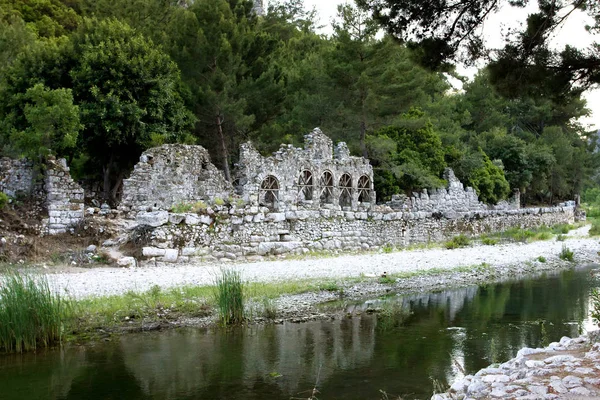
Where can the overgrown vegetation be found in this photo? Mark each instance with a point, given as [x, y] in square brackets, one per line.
[457, 242]
[31, 315]
[229, 297]
[566, 254]
[271, 79]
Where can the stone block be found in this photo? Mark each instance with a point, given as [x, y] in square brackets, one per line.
[170, 255]
[275, 217]
[153, 252]
[127, 262]
[153, 218]
[192, 219]
[176, 219]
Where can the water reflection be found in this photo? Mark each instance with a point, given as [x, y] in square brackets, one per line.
[347, 359]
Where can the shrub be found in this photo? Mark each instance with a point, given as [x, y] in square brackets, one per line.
[229, 296]
[561, 238]
[562, 229]
[219, 201]
[3, 200]
[543, 236]
[199, 206]
[521, 235]
[595, 229]
[489, 241]
[31, 315]
[541, 259]
[388, 248]
[458, 241]
[566, 254]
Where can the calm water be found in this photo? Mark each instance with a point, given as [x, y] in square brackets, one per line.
[347, 359]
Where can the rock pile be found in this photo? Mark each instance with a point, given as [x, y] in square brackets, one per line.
[569, 369]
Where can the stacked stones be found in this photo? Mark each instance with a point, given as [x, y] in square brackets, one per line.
[64, 198]
[569, 369]
[172, 174]
[16, 177]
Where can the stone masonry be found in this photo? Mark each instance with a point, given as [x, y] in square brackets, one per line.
[313, 178]
[16, 177]
[64, 198]
[173, 174]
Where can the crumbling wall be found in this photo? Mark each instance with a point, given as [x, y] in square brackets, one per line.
[314, 177]
[64, 198]
[172, 174]
[16, 177]
[449, 201]
[229, 233]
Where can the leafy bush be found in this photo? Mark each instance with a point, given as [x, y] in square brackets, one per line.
[388, 248]
[229, 296]
[3, 200]
[543, 236]
[562, 229]
[489, 241]
[458, 241]
[595, 229]
[561, 238]
[31, 315]
[541, 259]
[566, 254]
[182, 208]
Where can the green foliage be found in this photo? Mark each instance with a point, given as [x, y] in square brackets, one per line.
[408, 155]
[52, 123]
[182, 208]
[388, 248]
[566, 254]
[229, 297]
[485, 177]
[595, 229]
[561, 238]
[32, 316]
[457, 242]
[3, 200]
[489, 241]
[562, 228]
[541, 259]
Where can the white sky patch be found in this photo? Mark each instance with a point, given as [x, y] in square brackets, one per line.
[572, 32]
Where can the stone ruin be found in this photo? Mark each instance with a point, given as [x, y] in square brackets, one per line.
[314, 177]
[59, 194]
[172, 174]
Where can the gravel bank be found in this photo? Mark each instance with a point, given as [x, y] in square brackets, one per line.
[569, 369]
[82, 283]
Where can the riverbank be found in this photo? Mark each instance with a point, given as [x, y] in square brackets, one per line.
[569, 369]
[110, 301]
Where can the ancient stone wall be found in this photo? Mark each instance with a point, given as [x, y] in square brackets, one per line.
[315, 177]
[16, 177]
[172, 174]
[64, 198]
[229, 233]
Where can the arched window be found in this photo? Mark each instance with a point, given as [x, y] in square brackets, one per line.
[345, 190]
[364, 189]
[269, 192]
[326, 184]
[306, 185]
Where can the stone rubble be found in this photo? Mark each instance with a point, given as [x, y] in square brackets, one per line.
[569, 369]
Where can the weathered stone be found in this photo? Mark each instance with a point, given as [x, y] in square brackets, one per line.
[127, 262]
[154, 218]
[170, 255]
[153, 252]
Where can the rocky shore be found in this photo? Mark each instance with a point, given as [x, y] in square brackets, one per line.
[569, 369]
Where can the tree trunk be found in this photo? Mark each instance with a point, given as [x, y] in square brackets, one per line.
[224, 151]
[106, 185]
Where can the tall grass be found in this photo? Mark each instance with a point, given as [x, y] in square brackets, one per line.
[229, 297]
[31, 315]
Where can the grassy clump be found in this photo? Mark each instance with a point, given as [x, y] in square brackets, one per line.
[229, 297]
[595, 229]
[595, 297]
[458, 241]
[562, 229]
[561, 238]
[566, 254]
[388, 248]
[488, 241]
[541, 259]
[31, 315]
[3, 200]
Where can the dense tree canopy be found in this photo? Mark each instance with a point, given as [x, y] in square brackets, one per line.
[99, 81]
